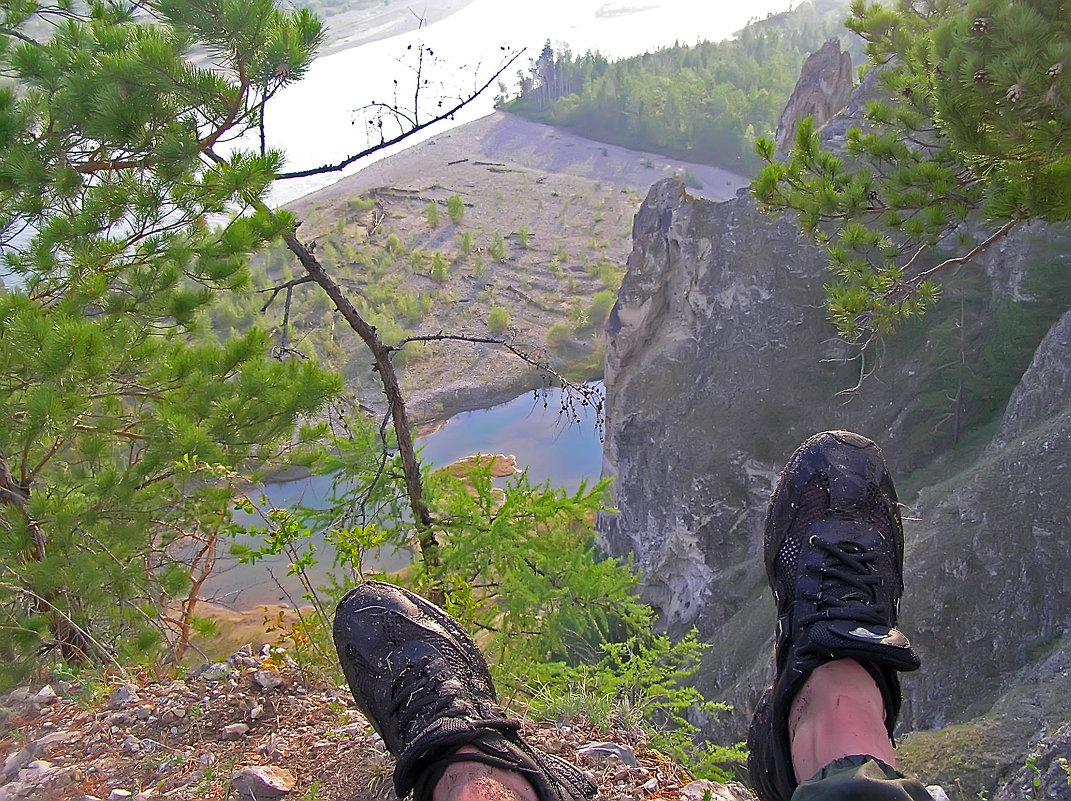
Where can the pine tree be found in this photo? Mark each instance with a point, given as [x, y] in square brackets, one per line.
[119, 412]
[975, 127]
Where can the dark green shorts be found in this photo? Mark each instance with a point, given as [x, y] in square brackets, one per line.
[860, 778]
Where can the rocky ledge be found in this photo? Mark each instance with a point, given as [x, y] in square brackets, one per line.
[258, 725]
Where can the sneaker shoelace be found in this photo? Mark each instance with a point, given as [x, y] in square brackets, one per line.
[418, 697]
[846, 563]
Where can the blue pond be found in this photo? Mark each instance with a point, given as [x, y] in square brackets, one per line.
[564, 449]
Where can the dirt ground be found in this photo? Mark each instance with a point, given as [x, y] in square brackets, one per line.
[149, 736]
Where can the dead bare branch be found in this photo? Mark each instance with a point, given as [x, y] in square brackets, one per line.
[448, 114]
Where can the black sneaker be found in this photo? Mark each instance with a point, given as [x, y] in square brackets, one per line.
[424, 686]
[834, 552]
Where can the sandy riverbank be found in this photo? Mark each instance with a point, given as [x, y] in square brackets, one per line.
[506, 140]
[575, 196]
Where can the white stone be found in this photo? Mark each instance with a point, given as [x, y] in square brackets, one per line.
[124, 696]
[42, 744]
[36, 770]
[46, 695]
[599, 752]
[16, 762]
[15, 790]
[267, 679]
[216, 672]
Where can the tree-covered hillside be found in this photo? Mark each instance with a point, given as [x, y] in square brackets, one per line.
[967, 143]
[706, 102]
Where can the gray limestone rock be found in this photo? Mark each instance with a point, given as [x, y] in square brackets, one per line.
[599, 752]
[16, 790]
[1044, 388]
[267, 679]
[235, 731]
[719, 362]
[16, 761]
[823, 89]
[1047, 774]
[124, 696]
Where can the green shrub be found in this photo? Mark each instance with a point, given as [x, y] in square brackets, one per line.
[523, 237]
[562, 618]
[601, 304]
[610, 276]
[498, 247]
[577, 315]
[431, 213]
[395, 246]
[497, 320]
[455, 209]
[418, 260]
[440, 270]
[689, 178]
[558, 335]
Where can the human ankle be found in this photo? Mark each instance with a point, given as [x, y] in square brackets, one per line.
[474, 781]
[838, 712]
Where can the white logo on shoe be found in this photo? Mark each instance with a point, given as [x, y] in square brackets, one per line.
[866, 634]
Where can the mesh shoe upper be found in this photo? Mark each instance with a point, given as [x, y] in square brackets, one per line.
[833, 546]
[424, 686]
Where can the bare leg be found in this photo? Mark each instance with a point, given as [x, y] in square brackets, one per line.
[838, 712]
[474, 781]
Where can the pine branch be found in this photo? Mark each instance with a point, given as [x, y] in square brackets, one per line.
[978, 249]
[104, 652]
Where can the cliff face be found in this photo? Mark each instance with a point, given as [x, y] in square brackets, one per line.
[719, 362]
[706, 317]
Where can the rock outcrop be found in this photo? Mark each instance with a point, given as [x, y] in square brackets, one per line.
[720, 361]
[1048, 775]
[1044, 389]
[823, 90]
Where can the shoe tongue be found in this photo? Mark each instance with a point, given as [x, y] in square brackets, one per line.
[848, 532]
[873, 642]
